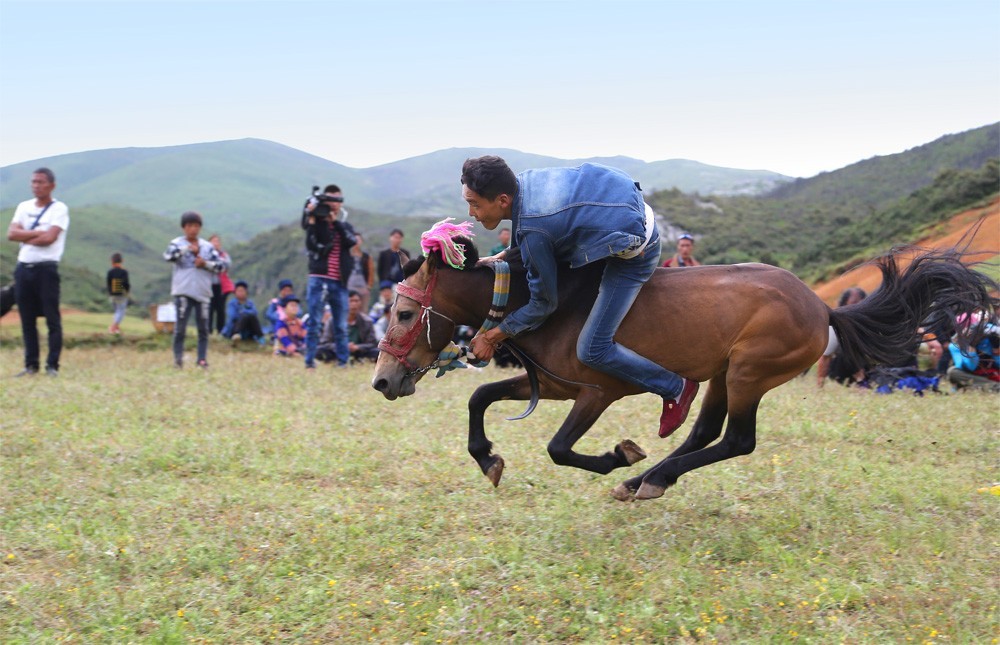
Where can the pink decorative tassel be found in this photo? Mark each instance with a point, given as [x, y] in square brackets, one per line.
[441, 238]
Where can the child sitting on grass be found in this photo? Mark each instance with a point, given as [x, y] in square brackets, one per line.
[290, 334]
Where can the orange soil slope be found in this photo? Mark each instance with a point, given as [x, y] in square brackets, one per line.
[986, 242]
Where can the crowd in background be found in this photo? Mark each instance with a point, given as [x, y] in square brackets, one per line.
[337, 322]
[333, 323]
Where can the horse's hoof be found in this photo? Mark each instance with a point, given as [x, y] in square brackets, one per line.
[495, 471]
[632, 452]
[622, 493]
[650, 491]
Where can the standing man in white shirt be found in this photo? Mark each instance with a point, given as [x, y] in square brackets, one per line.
[40, 226]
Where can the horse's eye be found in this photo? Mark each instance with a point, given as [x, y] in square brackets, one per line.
[405, 315]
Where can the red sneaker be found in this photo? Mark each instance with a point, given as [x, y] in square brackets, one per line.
[676, 411]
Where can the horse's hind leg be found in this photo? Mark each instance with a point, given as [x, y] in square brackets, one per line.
[740, 439]
[516, 388]
[707, 428]
[588, 408]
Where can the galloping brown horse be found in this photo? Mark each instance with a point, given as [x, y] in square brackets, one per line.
[745, 329]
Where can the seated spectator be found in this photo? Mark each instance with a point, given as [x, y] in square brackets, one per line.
[289, 333]
[938, 330]
[976, 367]
[361, 340]
[385, 295]
[242, 322]
[275, 311]
[382, 325]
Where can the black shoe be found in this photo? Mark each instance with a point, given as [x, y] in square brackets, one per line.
[28, 371]
[51, 371]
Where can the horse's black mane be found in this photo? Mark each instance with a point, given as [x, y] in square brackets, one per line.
[471, 257]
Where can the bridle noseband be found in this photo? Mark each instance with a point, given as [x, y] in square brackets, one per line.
[401, 349]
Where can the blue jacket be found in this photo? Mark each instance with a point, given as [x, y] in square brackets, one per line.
[233, 312]
[970, 359]
[573, 216]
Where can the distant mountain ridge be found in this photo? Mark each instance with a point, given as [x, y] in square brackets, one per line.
[246, 186]
[810, 224]
[816, 227]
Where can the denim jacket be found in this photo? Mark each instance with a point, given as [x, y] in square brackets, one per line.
[574, 216]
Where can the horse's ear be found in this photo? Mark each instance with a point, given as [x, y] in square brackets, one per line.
[413, 266]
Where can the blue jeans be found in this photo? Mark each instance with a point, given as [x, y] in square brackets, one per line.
[596, 347]
[119, 303]
[319, 292]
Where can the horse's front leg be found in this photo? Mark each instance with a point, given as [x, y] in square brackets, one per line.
[517, 388]
[588, 407]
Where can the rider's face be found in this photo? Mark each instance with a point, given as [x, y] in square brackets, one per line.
[487, 212]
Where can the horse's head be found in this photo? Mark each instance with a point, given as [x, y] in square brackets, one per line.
[417, 329]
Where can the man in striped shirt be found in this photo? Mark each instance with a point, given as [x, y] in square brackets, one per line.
[328, 242]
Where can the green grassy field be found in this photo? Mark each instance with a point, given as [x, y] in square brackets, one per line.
[256, 503]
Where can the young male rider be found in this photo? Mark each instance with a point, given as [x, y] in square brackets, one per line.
[578, 216]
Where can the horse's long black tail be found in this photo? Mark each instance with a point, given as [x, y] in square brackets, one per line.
[882, 328]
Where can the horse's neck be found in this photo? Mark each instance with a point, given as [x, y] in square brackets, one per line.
[466, 296]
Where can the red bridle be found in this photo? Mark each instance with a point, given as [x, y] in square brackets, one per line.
[402, 347]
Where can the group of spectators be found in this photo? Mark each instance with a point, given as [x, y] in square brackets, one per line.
[950, 355]
[335, 323]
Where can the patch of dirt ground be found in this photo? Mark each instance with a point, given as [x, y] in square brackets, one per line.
[984, 246]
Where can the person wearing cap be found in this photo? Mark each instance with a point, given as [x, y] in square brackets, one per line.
[242, 322]
[274, 311]
[384, 302]
[195, 262]
[575, 216]
[289, 335]
[683, 257]
[329, 239]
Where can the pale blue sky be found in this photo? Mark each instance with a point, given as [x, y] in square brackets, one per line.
[794, 87]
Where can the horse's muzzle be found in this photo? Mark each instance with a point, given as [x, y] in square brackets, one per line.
[382, 385]
[393, 384]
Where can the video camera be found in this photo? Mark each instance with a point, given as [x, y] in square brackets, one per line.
[322, 205]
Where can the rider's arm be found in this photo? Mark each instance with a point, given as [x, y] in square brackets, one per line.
[539, 258]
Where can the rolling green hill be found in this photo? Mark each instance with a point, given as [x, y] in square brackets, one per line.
[95, 232]
[240, 187]
[247, 186]
[813, 226]
[428, 185]
[815, 223]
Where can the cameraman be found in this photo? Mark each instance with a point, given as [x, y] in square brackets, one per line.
[328, 243]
